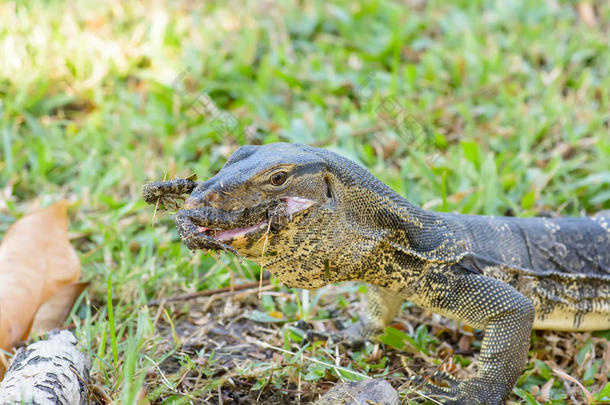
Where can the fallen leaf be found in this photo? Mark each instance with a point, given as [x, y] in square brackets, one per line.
[54, 311]
[36, 260]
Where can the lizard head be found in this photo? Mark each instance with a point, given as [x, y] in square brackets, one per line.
[273, 204]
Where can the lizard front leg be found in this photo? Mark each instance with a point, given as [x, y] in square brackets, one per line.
[505, 315]
[382, 307]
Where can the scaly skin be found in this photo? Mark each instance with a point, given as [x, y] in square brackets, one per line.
[312, 218]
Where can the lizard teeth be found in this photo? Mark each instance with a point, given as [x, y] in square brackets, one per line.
[227, 234]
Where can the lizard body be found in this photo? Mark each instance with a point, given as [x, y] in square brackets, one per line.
[312, 217]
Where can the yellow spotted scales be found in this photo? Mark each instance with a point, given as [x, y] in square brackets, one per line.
[312, 217]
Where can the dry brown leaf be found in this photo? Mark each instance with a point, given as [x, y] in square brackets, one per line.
[54, 311]
[36, 259]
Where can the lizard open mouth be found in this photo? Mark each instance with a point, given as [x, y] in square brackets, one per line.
[229, 234]
[275, 218]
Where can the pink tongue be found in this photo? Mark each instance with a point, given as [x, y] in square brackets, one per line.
[202, 229]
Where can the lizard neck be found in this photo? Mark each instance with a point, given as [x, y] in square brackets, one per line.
[381, 238]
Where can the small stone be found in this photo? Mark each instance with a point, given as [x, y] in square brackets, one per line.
[365, 392]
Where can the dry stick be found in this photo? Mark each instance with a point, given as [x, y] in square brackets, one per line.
[155, 211]
[88, 386]
[207, 293]
[565, 376]
[161, 374]
[260, 279]
[209, 303]
[337, 368]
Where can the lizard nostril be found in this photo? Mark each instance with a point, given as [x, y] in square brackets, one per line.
[195, 202]
[192, 202]
[211, 197]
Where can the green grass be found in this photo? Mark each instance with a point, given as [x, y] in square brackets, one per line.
[474, 107]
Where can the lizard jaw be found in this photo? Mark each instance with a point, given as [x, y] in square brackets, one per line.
[224, 235]
[294, 205]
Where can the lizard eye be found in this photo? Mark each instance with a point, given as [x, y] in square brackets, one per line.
[278, 178]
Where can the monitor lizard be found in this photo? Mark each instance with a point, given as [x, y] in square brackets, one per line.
[313, 217]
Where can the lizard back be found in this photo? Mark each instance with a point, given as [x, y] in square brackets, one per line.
[562, 264]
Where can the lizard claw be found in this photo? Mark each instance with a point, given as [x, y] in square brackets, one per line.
[443, 379]
[448, 390]
[428, 391]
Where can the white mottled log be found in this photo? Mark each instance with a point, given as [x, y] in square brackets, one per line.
[47, 372]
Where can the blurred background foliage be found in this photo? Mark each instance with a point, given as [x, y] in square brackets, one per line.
[471, 106]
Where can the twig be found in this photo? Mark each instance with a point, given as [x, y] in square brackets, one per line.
[279, 349]
[262, 270]
[566, 377]
[207, 293]
[168, 384]
[215, 297]
[86, 384]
